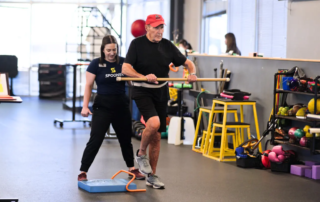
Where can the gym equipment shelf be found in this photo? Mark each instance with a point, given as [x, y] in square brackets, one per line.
[314, 122]
[308, 120]
[295, 92]
[90, 17]
[295, 145]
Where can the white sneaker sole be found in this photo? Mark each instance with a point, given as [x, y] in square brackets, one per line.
[145, 173]
[154, 186]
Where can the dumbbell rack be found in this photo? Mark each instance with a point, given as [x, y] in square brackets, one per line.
[312, 122]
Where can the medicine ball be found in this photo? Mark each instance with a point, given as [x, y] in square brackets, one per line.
[265, 159]
[138, 28]
[294, 85]
[291, 132]
[299, 133]
[295, 109]
[311, 106]
[303, 141]
[303, 85]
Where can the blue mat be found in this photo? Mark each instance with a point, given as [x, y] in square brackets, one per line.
[106, 185]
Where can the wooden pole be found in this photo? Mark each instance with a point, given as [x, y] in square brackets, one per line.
[172, 79]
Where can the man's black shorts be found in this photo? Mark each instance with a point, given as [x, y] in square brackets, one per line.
[150, 105]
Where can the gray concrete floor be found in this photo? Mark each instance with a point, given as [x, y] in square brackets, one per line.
[40, 162]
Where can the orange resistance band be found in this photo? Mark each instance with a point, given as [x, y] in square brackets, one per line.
[173, 68]
[133, 177]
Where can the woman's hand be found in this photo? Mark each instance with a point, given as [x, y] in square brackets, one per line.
[85, 112]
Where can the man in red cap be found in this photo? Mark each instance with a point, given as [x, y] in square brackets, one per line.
[149, 57]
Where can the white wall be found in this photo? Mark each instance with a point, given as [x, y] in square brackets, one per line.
[303, 40]
[213, 6]
[192, 22]
[241, 22]
[259, 25]
[272, 28]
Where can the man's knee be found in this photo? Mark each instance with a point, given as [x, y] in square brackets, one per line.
[153, 123]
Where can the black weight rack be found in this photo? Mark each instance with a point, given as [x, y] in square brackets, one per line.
[74, 96]
[312, 122]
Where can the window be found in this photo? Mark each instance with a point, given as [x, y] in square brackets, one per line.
[259, 26]
[15, 32]
[272, 28]
[242, 23]
[49, 34]
[38, 32]
[216, 28]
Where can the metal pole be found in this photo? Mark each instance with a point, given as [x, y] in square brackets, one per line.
[274, 106]
[74, 92]
[313, 146]
[172, 79]
[81, 36]
[180, 113]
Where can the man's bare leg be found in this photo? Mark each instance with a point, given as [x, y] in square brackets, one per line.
[154, 151]
[149, 132]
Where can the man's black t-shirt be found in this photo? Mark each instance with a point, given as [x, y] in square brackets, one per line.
[148, 57]
[106, 76]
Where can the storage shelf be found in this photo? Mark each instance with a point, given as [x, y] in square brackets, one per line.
[314, 122]
[295, 92]
[295, 145]
[308, 120]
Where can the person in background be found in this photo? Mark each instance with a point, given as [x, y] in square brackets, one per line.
[185, 45]
[231, 44]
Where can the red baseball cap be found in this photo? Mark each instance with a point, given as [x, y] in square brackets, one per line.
[155, 20]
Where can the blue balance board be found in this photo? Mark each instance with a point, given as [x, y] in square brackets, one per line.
[106, 185]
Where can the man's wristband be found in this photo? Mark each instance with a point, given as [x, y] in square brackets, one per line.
[194, 74]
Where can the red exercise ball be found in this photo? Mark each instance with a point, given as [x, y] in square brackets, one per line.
[291, 132]
[138, 28]
[265, 159]
[303, 141]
